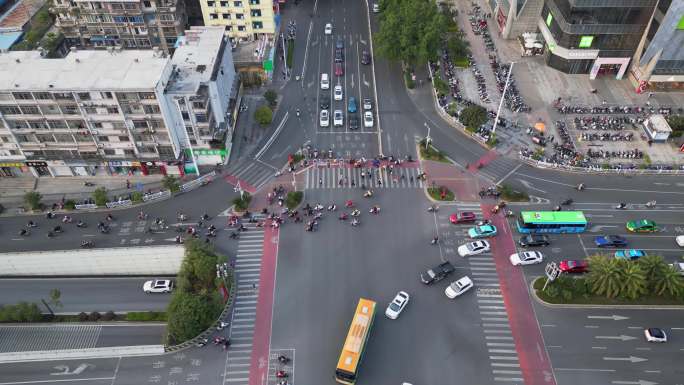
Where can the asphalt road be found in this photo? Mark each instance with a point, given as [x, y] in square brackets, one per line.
[85, 294]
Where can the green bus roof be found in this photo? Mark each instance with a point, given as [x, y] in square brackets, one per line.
[553, 217]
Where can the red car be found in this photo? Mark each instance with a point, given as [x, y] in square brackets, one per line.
[462, 217]
[339, 70]
[574, 267]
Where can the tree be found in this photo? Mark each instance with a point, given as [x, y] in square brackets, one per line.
[410, 31]
[271, 97]
[605, 276]
[33, 200]
[668, 281]
[199, 267]
[100, 196]
[634, 284]
[653, 266]
[171, 183]
[473, 117]
[263, 115]
[457, 46]
[189, 315]
[241, 203]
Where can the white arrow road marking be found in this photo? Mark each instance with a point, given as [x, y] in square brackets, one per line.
[613, 317]
[149, 240]
[365, 82]
[597, 228]
[640, 382]
[598, 216]
[621, 337]
[630, 359]
[65, 369]
[529, 186]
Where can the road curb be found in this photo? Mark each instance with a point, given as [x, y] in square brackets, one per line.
[533, 293]
[69, 354]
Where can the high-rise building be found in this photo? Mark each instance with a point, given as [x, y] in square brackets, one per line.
[116, 111]
[136, 24]
[595, 37]
[243, 19]
[658, 63]
[515, 17]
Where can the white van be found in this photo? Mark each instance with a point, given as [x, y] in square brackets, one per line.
[325, 82]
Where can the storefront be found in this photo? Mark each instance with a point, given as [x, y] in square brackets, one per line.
[124, 168]
[81, 168]
[153, 168]
[209, 157]
[59, 168]
[609, 66]
[39, 168]
[12, 169]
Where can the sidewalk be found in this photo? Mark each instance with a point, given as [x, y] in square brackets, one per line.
[12, 190]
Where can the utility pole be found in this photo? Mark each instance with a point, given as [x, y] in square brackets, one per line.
[503, 96]
[428, 138]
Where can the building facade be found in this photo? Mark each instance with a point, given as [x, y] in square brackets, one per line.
[245, 20]
[112, 112]
[131, 24]
[595, 37]
[515, 17]
[658, 63]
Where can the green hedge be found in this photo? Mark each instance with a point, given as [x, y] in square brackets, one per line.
[293, 199]
[431, 153]
[436, 193]
[21, 312]
[145, 316]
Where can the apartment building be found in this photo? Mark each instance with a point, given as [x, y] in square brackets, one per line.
[114, 111]
[595, 37]
[515, 17]
[243, 19]
[658, 63]
[137, 24]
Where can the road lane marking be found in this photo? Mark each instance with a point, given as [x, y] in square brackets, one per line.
[53, 380]
[584, 370]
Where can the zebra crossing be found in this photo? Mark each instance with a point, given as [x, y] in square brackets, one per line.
[247, 272]
[48, 337]
[251, 171]
[500, 345]
[498, 168]
[348, 177]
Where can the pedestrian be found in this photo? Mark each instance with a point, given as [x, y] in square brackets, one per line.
[320, 181]
[411, 179]
[650, 94]
[128, 184]
[254, 286]
[379, 182]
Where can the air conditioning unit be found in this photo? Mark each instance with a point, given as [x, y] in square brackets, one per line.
[100, 145]
[94, 132]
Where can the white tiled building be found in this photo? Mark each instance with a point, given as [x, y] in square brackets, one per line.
[112, 112]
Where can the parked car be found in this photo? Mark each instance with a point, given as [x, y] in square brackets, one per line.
[328, 29]
[353, 122]
[337, 93]
[338, 118]
[397, 305]
[339, 69]
[325, 81]
[351, 107]
[368, 119]
[367, 104]
[324, 101]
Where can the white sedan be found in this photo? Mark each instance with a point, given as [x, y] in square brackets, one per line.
[397, 305]
[368, 119]
[526, 258]
[473, 248]
[655, 335]
[328, 29]
[325, 118]
[338, 94]
[338, 118]
[459, 287]
[158, 286]
[680, 240]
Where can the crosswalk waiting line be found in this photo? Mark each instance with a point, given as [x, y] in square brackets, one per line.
[247, 268]
[327, 178]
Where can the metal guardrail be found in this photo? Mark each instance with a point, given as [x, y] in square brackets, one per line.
[115, 204]
[157, 195]
[88, 206]
[597, 170]
[193, 184]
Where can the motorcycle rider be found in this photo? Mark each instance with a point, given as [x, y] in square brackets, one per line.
[434, 241]
[30, 224]
[80, 224]
[24, 232]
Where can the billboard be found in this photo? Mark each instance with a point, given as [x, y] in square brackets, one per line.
[585, 41]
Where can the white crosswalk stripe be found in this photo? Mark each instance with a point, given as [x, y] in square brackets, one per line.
[247, 269]
[345, 177]
[48, 337]
[251, 171]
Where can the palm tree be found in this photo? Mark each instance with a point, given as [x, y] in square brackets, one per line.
[653, 266]
[668, 281]
[634, 283]
[605, 276]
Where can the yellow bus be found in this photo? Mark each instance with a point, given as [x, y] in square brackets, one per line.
[354, 346]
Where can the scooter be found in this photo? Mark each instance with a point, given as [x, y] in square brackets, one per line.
[567, 202]
[356, 213]
[343, 217]
[621, 206]
[355, 222]
[650, 204]
[87, 244]
[282, 359]
[433, 209]
[281, 374]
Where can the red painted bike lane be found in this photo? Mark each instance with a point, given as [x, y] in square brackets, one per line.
[529, 344]
[258, 372]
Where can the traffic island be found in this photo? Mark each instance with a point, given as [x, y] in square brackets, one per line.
[508, 194]
[440, 193]
[428, 152]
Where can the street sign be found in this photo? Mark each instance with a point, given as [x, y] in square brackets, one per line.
[552, 272]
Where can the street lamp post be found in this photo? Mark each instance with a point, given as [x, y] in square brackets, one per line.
[503, 96]
[428, 139]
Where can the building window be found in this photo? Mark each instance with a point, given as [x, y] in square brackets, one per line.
[43, 138]
[22, 95]
[123, 139]
[225, 16]
[224, 4]
[213, 16]
[56, 124]
[109, 151]
[106, 95]
[30, 110]
[97, 125]
[130, 6]
[23, 139]
[151, 109]
[201, 118]
[147, 4]
[165, 151]
[237, 3]
[77, 124]
[254, 2]
[211, 3]
[42, 95]
[64, 138]
[63, 96]
[257, 25]
[103, 138]
[84, 95]
[90, 110]
[139, 124]
[113, 110]
[129, 152]
[240, 16]
[39, 125]
[256, 13]
[10, 110]
[117, 6]
[147, 95]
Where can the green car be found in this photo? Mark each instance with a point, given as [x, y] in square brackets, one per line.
[642, 226]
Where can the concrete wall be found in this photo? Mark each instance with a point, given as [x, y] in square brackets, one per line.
[153, 260]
